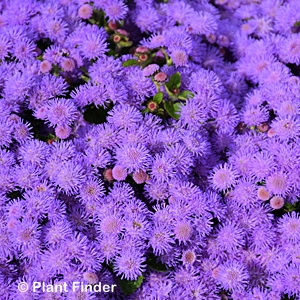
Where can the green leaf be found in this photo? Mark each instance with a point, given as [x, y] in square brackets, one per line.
[160, 112]
[288, 207]
[125, 44]
[168, 91]
[174, 82]
[177, 107]
[158, 97]
[153, 264]
[172, 110]
[184, 95]
[129, 286]
[130, 62]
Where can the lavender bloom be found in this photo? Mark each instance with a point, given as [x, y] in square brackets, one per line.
[130, 264]
[133, 157]
[94, 45]
[233, 275]
[115, 10]
[61, 112]
[223, 177]
[69, 177]
[163, 168]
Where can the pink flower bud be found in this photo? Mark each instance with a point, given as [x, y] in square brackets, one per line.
[160, 77]
[263, 194]
[119, 173]
[68, 64]
[122, 32]
[112, 25]
[108, 175]
[141, 49]
[139, 176]
[271, 133]
[277, 202]
[45, 66]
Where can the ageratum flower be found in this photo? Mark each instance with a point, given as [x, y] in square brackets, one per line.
[130, 264]
[115, 10]
[124, 116]
[61, 112]
[289, 227]
[69, 177]
[5, 46]
[223, 177]
[233, 275]
[93, 45]
[133, 157]
[147, 19]
[163, 167]
[161, 240]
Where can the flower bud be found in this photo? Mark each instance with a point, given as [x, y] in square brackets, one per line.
[112, 25]
[263, 194]
[141, 49]
[277, 202]
[152, 106]
[160, 77]
[108, 175]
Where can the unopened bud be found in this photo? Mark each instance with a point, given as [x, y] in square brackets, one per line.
[160, 77]
[152, 106]
[117, 38]
[122, 32]
[142, 49]
[112, 25]
[263, 127]
[143, 57]
[108, 175]
[263, 194]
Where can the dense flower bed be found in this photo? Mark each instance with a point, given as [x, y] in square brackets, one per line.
[150, 144]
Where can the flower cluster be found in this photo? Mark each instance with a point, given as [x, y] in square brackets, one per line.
[150, 144]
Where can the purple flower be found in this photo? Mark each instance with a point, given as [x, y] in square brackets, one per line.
[193, 114]
[289, 227]
[230, 238]
[147, 19]
[124, 116]
[233, 275]
[133, 157]
[24, 49]
[201, 22]
[69, 177]
[223, 177]
[130, 264]
[61, 112]
[5, 46]
[289, 49]
[161, 240]
[163, 168]
[94, 45]
[115, 10]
